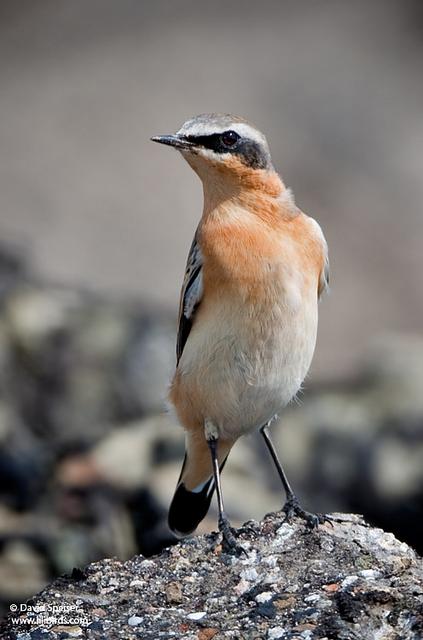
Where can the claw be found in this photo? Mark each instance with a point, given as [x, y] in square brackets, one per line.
[293, 508]
[249, 529]
[229, 542]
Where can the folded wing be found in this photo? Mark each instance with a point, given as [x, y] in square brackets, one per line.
[191, 294]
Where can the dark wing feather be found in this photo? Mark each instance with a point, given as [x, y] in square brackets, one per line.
[191, 294]
[324, 276]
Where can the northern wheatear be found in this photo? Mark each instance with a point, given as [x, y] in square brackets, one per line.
[248, 311]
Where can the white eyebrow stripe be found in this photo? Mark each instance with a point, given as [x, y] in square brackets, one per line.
[207, 129]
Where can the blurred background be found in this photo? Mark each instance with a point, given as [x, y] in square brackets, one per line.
[95, 226]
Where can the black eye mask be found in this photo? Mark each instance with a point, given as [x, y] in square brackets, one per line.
[248, 151]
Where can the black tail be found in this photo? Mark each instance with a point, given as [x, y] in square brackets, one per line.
[189, 508]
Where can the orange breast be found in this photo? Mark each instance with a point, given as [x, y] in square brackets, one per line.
[243, 248]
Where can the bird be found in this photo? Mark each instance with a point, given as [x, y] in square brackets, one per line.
[248, 312]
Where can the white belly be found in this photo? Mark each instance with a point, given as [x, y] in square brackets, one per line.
[247, 364]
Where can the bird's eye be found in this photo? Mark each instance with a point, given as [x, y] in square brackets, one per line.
[229, 138]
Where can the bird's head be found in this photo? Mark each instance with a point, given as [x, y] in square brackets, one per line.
[221, 145]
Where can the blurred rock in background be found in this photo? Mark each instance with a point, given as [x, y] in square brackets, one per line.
[96, 223]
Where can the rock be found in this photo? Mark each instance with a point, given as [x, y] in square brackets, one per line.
[150, 362]
[348, 581]
[197, 615]
[126, 457]
[174, 593]
[22, 570]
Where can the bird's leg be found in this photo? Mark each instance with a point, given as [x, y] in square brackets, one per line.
[212, 437]
[292, 505]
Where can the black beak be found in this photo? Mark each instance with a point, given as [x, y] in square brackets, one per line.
[174, 141]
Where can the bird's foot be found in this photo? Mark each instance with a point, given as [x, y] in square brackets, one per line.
[229, 542]
[293, 508]
[249, 528]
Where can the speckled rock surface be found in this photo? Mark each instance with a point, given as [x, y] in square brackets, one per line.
[348, 581]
